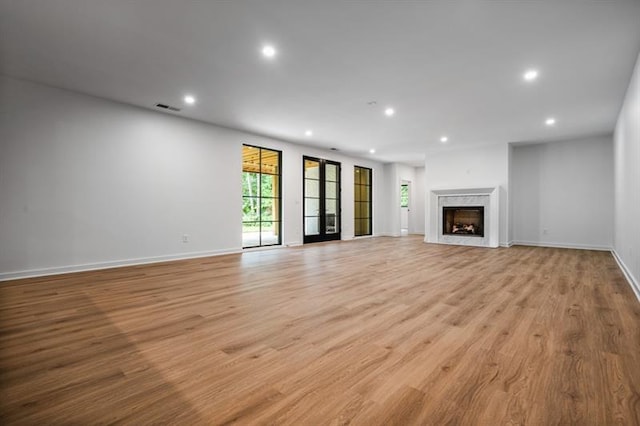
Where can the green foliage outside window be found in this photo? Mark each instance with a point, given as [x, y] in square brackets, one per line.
[404, 196]
[256, 190]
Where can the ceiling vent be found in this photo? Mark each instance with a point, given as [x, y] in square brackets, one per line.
[169, 107]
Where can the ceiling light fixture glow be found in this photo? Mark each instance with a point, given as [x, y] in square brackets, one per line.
[530, 75]
[268, 51]
[389, 112]
[550, 121]
[308, 133]
[189, 99]
[372, 151]
[444, 139]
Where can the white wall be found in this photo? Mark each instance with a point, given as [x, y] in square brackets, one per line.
[396, 174]
[562, 193]
[626, 235]
[477, 167]
[418, 204]
[86, 182]
[510, 196]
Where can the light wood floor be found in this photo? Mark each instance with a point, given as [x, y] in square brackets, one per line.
[375, 331]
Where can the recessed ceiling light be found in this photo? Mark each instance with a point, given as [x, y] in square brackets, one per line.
[268, 51]
[308, 133]
[530, 75]
[389, 112]
[550, 121]
[444, 139]
[189, 99]
[372, 151]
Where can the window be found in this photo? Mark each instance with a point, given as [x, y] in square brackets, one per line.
[261, 200]
[404, 195]
[362, 199]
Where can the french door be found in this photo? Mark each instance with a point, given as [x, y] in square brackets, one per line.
[321, 200]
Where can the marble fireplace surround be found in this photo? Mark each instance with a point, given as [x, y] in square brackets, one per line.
[486, 196]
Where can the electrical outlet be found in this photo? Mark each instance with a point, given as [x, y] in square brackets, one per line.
[185, 238]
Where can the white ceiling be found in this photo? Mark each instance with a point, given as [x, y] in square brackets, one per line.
[451, 67]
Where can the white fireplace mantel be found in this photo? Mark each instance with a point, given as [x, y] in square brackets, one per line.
[484, 196]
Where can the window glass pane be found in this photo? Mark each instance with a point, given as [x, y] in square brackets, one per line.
[250, 184]
[331, 189]
[364, 193]
[269, 233]
[269, 206]
[269, 185]
[366, 226]
[311, 169]
[250, 234]
[364, 210]
[311, 188]
[250, 159]
[331, 206]
[270, 162]
[250, 209]
[331, 172]
[366, 177]
[311, 206]
[311, 225]
[357, 175]
[331, 223]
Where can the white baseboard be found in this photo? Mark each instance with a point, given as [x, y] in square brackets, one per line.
[507, 244]
[561, 245]
[57, 270]
[627, 274]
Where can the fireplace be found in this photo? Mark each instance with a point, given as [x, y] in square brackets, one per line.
[465, 221]
[454, 206]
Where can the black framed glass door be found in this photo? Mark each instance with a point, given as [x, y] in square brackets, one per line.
[261, 200]
[321, 193]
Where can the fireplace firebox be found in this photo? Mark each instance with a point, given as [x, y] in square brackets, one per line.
[463, 221]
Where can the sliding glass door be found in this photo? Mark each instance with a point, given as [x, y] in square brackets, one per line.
[321, 200]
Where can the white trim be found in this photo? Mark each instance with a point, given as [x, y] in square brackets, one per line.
[561, 245]
[57, 270]
[360, 237]
[263, 248]
[507, 244]
[627, 274]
